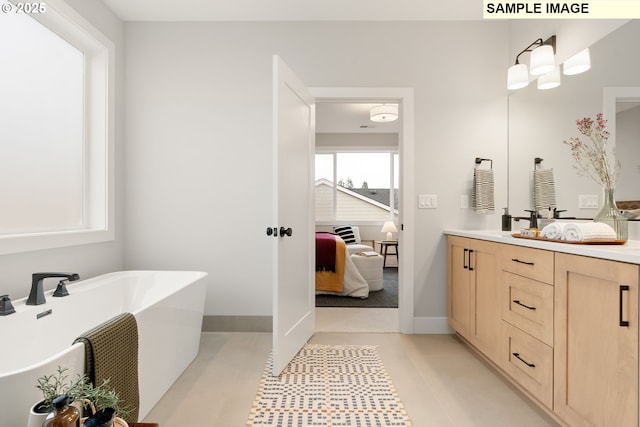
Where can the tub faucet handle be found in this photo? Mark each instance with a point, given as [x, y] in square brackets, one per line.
[5, 305]
[61, 289]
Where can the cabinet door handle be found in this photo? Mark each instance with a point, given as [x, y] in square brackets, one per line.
[525, 306]
[464, 259]
[470, 252]
[623, 289]
[531, 365]
[521, 262]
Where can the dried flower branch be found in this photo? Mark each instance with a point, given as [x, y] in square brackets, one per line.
[592, 156]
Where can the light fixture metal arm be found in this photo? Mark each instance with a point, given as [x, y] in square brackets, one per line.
[537, 43]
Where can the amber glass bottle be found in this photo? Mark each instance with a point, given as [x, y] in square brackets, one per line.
[63, 415]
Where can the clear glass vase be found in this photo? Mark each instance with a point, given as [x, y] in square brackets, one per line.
[610, 215]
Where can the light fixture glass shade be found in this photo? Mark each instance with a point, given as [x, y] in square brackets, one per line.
[389, 227]
[578, 63]
[384, 113]
[549, 80]
[517, 77]
[542, 60]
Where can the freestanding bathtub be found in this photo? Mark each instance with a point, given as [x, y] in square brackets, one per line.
[168, 307]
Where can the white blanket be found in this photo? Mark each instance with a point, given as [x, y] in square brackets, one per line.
[587, 232]
[553, 230]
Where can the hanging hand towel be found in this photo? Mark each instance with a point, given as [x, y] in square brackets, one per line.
[482, 197]
[544, 190]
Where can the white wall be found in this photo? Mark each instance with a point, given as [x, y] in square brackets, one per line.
[86, 260]
[198, 148]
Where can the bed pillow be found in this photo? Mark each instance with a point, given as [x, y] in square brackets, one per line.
[346, 233]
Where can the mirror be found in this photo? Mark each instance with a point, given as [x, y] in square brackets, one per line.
[540, 120]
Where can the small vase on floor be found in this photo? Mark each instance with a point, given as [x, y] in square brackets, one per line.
[610, 215]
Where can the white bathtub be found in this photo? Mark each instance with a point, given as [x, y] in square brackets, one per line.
[168, 306]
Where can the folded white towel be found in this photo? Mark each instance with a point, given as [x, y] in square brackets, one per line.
[553, 230]
[587, 232]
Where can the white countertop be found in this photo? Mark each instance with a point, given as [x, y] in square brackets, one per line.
[629, 252]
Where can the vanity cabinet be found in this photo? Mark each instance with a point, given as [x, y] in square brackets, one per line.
[562, 327]
[474, 292]
[596, 342]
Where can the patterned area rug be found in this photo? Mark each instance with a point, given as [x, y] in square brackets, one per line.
[329, 386]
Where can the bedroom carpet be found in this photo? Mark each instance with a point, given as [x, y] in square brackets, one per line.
[385, 298]
[329, 385]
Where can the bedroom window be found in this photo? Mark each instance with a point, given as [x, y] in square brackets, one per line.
[55, 130]
[356, 186]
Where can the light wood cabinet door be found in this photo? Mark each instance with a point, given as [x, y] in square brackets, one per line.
[485, 315]
[458, 285]
[596, 342]
[474, 292]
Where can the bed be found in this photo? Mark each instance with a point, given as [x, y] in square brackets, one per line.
[336, 274]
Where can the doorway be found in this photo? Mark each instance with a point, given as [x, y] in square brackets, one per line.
[371, 319]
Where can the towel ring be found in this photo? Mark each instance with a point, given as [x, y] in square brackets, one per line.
[536, 162]
[480, 160]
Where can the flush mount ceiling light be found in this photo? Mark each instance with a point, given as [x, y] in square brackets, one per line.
[578, 63]
[384, 113]
[542, 61]
[549, 80]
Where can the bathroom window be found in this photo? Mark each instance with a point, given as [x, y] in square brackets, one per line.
[54, 130]
[356, 186]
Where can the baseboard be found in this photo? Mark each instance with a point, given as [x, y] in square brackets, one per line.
[237, 324]
[422, 325]
[431, 325]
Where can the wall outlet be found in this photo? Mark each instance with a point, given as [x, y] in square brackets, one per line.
[464, 201]
[427, 201]
[587, 201]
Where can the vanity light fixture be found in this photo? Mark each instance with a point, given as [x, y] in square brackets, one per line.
[549, 80]
[384, 113]
[542, 61]
[578, 63]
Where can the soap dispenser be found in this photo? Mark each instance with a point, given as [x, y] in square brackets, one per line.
[63, 415]
[506, 220]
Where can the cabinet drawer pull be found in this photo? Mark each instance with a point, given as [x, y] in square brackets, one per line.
[623, 288]
[525, 306]
[470, 252]
[464, 259]
[517, 355]
[521, 262]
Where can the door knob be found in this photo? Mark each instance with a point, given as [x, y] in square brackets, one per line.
[285, 231]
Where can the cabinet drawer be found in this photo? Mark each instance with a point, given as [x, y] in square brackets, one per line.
[528, 305]
[529, 362]
[536, 264]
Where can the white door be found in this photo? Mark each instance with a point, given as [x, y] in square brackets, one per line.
[293, 287]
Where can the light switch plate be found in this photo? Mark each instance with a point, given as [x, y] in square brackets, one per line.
[588, 201]
[464, 201]
[427, 201]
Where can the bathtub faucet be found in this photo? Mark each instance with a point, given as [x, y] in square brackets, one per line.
[36, 296]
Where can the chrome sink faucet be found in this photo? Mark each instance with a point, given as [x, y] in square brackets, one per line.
[36, 296]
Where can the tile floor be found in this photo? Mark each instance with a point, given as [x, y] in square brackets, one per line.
[441, 383]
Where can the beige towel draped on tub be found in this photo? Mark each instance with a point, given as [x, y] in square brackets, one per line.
[111, 352]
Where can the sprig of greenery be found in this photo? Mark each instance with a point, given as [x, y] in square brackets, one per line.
[82, 390]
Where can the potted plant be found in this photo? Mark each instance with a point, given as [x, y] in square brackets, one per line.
[101, 403]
